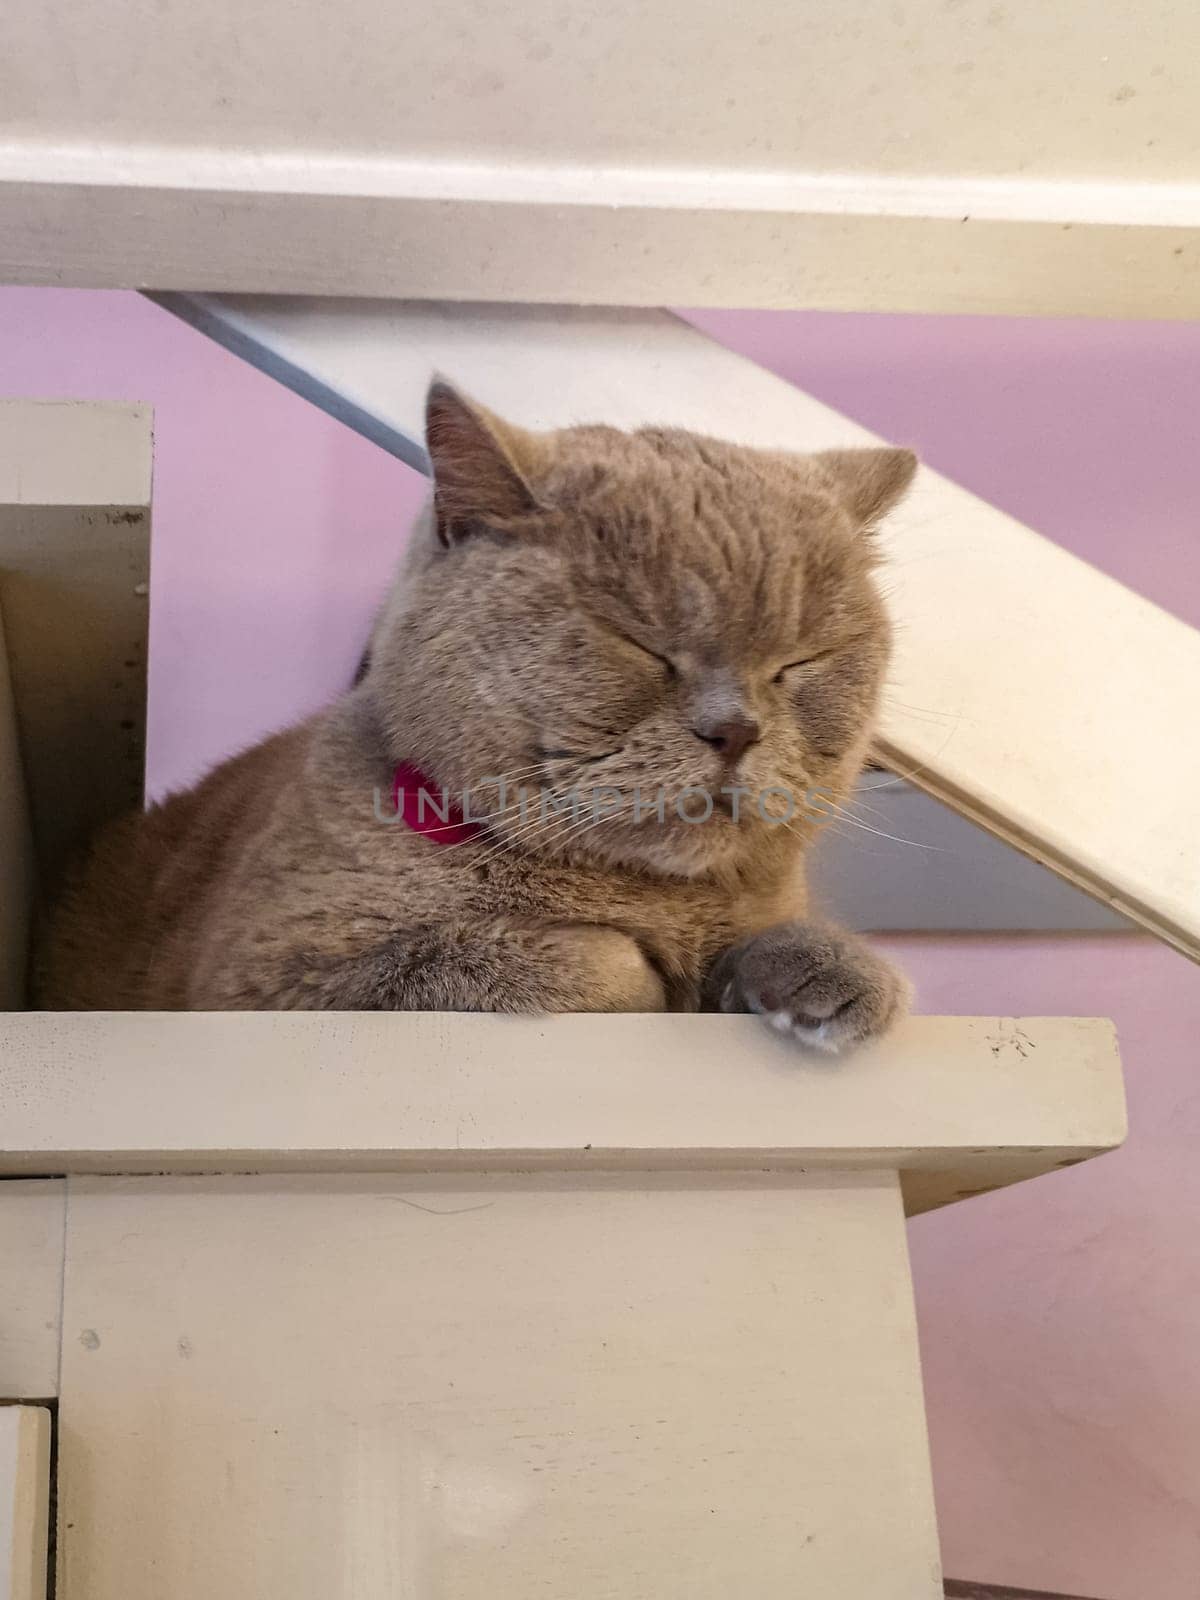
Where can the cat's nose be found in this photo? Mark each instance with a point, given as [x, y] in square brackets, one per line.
[730, 738]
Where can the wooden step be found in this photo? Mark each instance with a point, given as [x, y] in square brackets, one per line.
[917, 157]
[503, 1283]
[964, 1104]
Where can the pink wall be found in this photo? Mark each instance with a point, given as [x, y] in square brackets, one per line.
[275, 530]
[1060, 1320]
[1088, 431]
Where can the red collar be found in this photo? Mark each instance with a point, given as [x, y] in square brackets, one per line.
[426, 809]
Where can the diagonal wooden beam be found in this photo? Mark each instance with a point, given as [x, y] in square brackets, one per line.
[1055, 706]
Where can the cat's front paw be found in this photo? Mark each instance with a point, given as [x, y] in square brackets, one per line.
[824, 987]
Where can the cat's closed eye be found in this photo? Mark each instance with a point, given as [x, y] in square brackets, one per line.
[643, 650]
[803, 661]
[814, 657]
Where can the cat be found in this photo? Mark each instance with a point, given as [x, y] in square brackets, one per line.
[669, 647]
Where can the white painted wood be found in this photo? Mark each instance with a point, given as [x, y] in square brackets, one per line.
[959, 1104]
[24, 1501]
[636, 86]
[75, 481]
[459, 1390]
[831, 248]
[32, 1219]
[89, 453]
[1024, 680]
[925, 156]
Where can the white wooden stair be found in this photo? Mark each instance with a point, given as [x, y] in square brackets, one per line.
[929, 157]
[460, 1303]
[430, 1304]
[473, 1307]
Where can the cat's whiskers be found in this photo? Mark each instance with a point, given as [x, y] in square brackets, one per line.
[438, 797]
[588, 825]
[861, 805]
[857, 822]
[493, 780]
[909, 776]
[924, 713]
[530, 829]
[553, 831]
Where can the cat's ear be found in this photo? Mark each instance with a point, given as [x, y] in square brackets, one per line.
[868, 482]
[480, 465]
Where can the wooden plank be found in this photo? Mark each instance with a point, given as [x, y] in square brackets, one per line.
[1023, 677]
[825, 249]
[74, 584]
[697, 1386]
[636, 154]
[91, 453]
[24, 1501]
[959, 1104]
[32, 1218]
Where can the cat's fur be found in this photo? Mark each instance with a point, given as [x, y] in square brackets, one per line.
[585, 609]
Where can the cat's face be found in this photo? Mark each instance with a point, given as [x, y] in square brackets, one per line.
[669, 641]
